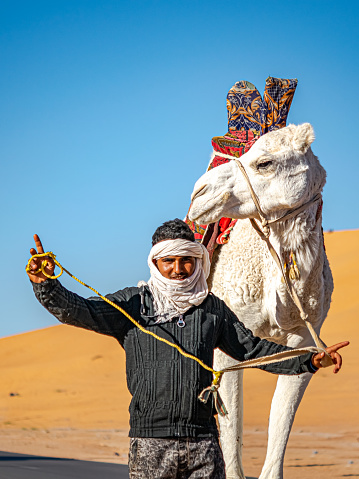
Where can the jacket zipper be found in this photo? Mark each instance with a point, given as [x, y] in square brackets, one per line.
[180, 321]
[177, 433]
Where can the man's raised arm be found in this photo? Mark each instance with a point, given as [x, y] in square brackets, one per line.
[70, 308]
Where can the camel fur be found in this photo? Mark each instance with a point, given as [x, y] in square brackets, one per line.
[285, 174]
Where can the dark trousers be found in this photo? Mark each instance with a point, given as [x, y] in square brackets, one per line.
[181, 458]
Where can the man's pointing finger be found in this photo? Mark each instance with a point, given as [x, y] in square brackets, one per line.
[336, 347]
[38, 244]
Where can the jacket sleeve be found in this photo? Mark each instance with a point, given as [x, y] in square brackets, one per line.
[239, 342]
[92, 313]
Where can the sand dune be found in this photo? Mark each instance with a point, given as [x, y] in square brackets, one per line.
[63, 391]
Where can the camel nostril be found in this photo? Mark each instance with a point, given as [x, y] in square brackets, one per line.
[198, 193]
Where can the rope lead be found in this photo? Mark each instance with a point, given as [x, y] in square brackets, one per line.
[220, 407]
[213, 388]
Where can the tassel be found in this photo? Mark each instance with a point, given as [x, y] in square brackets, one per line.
[294, 273]
[204, 396]
[292, 267]
[219, 404]
[213, 388]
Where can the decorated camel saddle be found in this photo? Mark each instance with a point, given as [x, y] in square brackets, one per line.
[249, 117]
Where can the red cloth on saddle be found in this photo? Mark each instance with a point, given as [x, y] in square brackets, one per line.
[234, 143]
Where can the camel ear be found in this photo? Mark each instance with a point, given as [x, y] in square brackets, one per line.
[303, 137]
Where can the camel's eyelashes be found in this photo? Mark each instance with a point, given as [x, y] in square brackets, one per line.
[264, 165]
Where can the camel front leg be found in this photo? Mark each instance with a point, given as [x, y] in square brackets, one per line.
[231, 426]
[285, 402]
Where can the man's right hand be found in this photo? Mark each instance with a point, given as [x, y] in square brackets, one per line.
[35, 263]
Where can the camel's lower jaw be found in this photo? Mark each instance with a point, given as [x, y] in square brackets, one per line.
[209, 212]
[195, 218]
[199, 212]
[203, 217]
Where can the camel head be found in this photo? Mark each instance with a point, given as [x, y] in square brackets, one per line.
[283, 172]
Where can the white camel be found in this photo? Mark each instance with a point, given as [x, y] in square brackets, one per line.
[285, 174]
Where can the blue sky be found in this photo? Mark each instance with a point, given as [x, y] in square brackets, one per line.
[107, 113]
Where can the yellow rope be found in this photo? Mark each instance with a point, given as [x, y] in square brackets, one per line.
[217, 374]
[213, 389]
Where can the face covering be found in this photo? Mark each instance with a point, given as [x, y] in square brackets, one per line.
[172, 297]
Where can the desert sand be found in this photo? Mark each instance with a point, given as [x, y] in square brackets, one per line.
[63, 392]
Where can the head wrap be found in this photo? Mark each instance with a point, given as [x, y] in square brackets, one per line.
[174, 297]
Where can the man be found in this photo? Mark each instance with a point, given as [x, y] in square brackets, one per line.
[173, 434]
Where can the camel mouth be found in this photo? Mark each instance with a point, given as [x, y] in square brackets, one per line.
[204, 211]
[198, 216]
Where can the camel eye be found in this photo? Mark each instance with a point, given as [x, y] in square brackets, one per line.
[264, 165]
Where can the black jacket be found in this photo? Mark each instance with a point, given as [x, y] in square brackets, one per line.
[164, 384]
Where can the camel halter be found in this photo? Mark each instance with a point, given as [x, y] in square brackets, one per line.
[265, 233]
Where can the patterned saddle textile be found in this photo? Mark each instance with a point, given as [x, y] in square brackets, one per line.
[248, 111]
[249, 117]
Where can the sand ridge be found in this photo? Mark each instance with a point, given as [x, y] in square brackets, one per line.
[63, 392]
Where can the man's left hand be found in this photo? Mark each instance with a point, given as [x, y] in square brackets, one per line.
[332, 351]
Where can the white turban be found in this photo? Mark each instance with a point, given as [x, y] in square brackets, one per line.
[173, 297]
